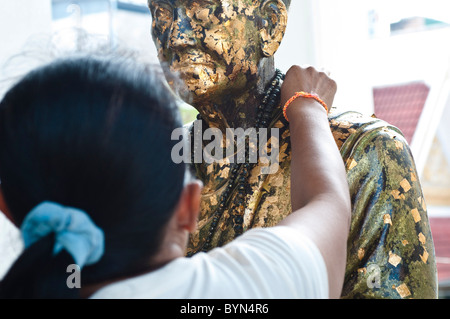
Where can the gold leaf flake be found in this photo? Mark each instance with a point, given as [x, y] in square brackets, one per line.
[195, 238]
[424, 257]
[422, 203]
[394, 259]
[286, 134]
[405, 185]
[387, 219]
[271, 200]
[351, 163]
[398, 145]
[282, 153]
[422, 238]
[224, 161]
[397, 195]
[254, 175]
[240, 54]
[213, 200]
[277, 180]
[361, 253]
[403, 291]
[280, 124]
[225, 172]
[416, 215]
[345, 124]
[203, 15]
[275, 211]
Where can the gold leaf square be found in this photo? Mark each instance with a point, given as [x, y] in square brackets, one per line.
[394, 259]
[424, 257]
[351, 163]
[403, 291]
[422, 238]
[399, 145]
[361, 253]
[387, 219]
[397, 195]
[416, 215]
[405, 185]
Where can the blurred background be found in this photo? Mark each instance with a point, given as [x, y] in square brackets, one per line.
[390, 58]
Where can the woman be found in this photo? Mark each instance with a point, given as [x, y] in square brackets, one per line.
[87, 174]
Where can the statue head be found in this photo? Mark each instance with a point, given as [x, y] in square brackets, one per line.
[218, 46]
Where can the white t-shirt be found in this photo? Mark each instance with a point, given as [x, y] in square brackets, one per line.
[11, 244]
[270, 263]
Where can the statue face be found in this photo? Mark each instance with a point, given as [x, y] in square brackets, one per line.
[216, 45]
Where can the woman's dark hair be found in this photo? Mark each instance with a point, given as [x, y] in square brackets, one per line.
[94, 134]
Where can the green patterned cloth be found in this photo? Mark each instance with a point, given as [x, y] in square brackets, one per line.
[390, 248]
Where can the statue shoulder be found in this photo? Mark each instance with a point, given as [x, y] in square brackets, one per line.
[351, 128]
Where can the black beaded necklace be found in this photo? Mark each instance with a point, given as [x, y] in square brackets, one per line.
[240, 171]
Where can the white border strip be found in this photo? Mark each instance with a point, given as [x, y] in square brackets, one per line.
[438, 211]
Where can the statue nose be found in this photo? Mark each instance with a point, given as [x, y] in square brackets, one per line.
[182, 34]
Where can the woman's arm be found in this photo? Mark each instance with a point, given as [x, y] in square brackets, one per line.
[319, 191]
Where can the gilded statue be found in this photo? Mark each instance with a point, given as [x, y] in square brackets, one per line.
[224, 51]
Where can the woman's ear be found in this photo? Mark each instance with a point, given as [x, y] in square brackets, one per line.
[189, 208]
[3, 208]
[274, 17]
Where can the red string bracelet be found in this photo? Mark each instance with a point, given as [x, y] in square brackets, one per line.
[303, 94]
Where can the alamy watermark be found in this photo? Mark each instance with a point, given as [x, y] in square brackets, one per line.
[74, 279]
[374, 276]
[252, 145]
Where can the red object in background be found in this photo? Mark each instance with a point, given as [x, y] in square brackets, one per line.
[441, 236]
[401, 105]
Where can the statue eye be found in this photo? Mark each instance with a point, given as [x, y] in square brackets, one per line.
[163, 16]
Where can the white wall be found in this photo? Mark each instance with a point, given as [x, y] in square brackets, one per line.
[444, 132]
[332, 35]
[19, 21]
[418, 56]
[343, 49]
[299, 43]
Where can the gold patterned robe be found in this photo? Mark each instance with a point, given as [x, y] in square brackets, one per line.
[390, 250]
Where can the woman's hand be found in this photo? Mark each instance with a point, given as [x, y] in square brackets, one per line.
[308, 80]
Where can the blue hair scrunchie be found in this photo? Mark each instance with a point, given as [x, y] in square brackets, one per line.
[75, 231]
